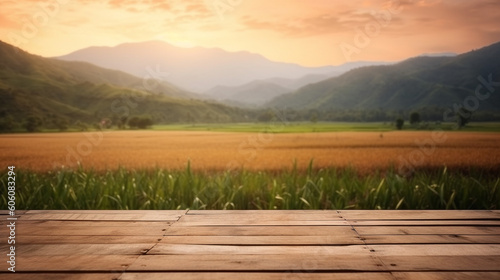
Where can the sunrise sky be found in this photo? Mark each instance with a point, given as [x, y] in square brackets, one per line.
[311, 33]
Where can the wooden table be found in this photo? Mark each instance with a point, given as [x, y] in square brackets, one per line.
[254, 245]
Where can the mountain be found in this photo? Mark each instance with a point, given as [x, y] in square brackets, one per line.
[255, 93]
[294, 84]
[414, 83]
[259, 92]
[53, 90]
[15, 61]
[439, 54]
[198, 69]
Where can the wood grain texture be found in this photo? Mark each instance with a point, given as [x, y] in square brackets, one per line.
[441, 263]
[256, 276]
[280, 263]
[431, 239]
[344, 244]
[265, 240]
[419, 214]
[265, 220]
[85, 230]
[87, 263]
[259, 230]
[61, 276]
[88, 239]
[104, 215]
[392, 230]
[446, 275]
[81, 249]
[178, 249]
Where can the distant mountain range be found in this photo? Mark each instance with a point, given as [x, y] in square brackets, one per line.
[54, 90]
[424, 81]
[202, 69]
[259, 92]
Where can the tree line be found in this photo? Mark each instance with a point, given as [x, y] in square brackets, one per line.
[34, 123]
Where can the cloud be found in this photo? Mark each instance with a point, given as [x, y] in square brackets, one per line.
[329, 22]
[299, 27]
[262, 25]
[7, 22]
[197, 8]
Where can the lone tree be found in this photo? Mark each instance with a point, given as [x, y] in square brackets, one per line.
[140, 122]
[266, 116]
[133, 122]
[399, 123]
[144, 122]
[415, 118]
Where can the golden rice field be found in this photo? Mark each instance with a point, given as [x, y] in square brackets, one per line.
[365, 151]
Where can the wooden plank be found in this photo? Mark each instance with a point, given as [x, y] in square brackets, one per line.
[82, 230]
[91, 231]
[83, 263]
[424, 222]
[98, 215]
[431, 239]
[437, 250]
[258, 244]
[446, 275]
[86, 239]
[305, 262]
[261, 212]
[258, 222]
[61, 276]
[370, 230]
[123, 212]
[54, 228]
[256, 276]
[441, 263]
[288, 216]
[260, 230]
[70, 223]
[80, 249]
[419, 214]
[6, 213]
[184, 249]
[265, 219]
[264, 240]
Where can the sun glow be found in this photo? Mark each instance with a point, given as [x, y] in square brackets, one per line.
[309, 33]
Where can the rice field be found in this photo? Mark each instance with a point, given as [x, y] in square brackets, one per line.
[223, 170]
[220, 151]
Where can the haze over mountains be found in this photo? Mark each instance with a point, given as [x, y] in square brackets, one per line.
[411, 84]
[246, 79]
[54, 89]
[201, 69]
[259, 92]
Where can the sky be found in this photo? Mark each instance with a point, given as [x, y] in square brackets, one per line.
[310, 33]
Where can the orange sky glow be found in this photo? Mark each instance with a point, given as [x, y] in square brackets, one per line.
[310, 33]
